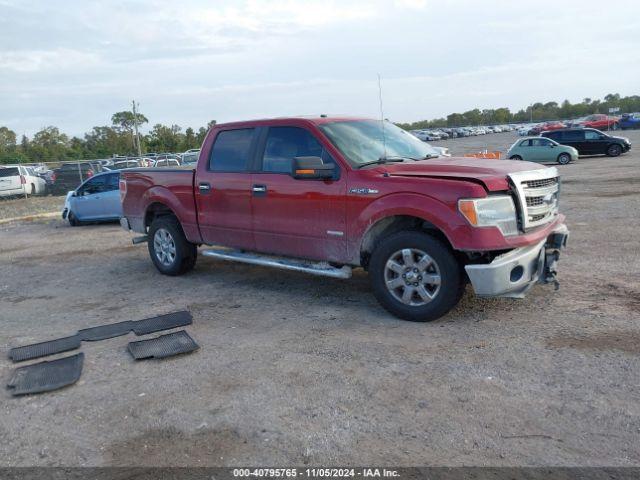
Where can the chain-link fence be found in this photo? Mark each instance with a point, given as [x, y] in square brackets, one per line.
[40, 189]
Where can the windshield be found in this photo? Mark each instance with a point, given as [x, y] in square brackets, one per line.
[363, 141]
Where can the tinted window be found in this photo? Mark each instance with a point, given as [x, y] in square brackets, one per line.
[231, 150]
[112, 182]
[573, 135]
[9, 172]
[95, 185]
[554, 135]
[285, 143]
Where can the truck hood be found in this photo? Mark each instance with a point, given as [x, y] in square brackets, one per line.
[490, 173]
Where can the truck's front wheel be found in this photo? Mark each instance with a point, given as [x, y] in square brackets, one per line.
[415, 276]
[170, 251]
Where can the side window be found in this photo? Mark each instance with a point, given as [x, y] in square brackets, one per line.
[591, 135]
[525, 143]
[95, 185]
[231, 150]
[573, 135]
[545, 142]
[285, 143]
[536, 142]
[112, 182]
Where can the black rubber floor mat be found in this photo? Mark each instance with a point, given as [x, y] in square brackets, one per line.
[163, 346]
[46, 376]
[162, 322]
[36, 350]
[102, 332]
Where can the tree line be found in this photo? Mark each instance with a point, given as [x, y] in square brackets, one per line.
[52, 145]
[536, 112]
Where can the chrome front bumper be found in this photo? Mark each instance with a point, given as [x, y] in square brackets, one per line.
[513, 273]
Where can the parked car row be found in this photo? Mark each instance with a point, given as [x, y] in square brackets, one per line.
[431, 135]
[566, 144]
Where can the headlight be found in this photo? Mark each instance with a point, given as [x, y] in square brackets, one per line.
[498, 211]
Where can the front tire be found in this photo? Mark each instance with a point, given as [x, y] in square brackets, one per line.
[73, 220]
[614, 150]
[564, 158]
[415, 276]
[170, 251]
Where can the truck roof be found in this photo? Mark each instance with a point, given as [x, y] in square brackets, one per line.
[309, 119]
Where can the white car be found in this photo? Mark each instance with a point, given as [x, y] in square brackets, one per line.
[19, 180]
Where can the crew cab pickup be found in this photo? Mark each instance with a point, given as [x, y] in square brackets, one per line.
[326, 195]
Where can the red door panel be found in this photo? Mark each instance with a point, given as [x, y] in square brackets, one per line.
[301, 218]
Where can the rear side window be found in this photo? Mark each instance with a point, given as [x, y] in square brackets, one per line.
[554, 135]
[231, 150]
[573, 135]
[285, 143]
[9, 172]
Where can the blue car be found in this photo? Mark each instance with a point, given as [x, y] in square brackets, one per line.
[95, 200]
[629, 120]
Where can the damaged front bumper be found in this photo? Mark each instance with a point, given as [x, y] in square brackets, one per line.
[513, 273]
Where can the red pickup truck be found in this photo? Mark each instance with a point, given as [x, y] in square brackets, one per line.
[325, 195]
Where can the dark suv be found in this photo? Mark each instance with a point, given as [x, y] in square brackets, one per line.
[589, 141]
[70, 175]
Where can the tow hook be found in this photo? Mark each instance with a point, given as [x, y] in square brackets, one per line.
[550, 262]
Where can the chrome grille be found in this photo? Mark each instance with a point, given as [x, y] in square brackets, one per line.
[538, 192]
[546, 182]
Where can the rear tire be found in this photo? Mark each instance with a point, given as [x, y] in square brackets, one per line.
[170, 251]
[564, 158]
[415, 276]
[515, 157]
[614, 150]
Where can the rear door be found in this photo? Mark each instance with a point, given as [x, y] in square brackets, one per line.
[573, 138]
[10, 181]
[295, 217]
[223, 188]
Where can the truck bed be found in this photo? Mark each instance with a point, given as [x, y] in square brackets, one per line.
[173, 187]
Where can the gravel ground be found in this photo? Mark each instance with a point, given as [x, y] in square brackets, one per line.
[15, 207]
[295, 369]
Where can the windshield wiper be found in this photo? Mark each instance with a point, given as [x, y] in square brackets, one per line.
[382, 160]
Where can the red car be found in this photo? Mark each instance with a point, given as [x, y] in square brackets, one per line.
[545, 127]
[601, 121]
[325, 195]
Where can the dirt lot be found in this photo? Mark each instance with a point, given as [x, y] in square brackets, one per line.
[295, 369]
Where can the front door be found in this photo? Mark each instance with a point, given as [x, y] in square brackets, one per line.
[594, 142]
[87, 204]
[223, 189]
[296, 217]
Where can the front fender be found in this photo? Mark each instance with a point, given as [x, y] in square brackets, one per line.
[443, 216]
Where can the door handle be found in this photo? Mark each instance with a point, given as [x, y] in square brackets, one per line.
[204, 187]
[259, 190]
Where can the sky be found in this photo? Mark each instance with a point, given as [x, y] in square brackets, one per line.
[73, 64]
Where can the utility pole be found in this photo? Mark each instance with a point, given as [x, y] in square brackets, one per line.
[135, 126]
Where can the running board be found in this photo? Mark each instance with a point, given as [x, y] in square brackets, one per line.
[295, 264]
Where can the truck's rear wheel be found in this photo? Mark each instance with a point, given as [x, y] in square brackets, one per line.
[170, 251]
[415, 276]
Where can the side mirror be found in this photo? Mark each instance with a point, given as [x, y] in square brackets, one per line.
[312, 168]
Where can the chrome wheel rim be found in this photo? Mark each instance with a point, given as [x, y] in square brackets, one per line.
[164, 246]
[412, 277]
